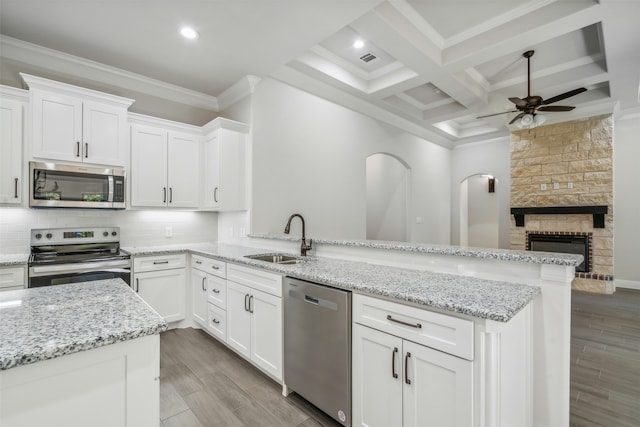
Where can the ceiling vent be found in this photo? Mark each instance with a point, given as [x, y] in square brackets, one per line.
[368, 57]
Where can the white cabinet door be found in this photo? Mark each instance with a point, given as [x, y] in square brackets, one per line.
[266, 332]
[239, 318]
[10, 151]
[104, 132]
[164, 291]
[377, 378]
[57, 126]
[148, 166]
[183, 171]
[438, 388]
[224, 177]
[199, 289]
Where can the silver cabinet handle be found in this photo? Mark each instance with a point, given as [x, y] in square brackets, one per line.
[246, 302]
[160, 262]
[406, 368]
[215, 267]
[77, 148]
[251, 304]
[215, 291]
[170, 194]
[198, 262]
[137, 284]
[216, 321]
[204, 285]
[164, 198]
[394, 374]
[215, 194]
[413, 325]
[86, 150]
[15, 191]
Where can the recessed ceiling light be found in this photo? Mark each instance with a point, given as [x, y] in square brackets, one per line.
[189, 33]
[358, 44]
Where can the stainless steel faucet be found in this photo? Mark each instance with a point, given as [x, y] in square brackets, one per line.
[303, 247]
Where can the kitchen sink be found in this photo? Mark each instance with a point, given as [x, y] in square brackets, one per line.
[277, 258]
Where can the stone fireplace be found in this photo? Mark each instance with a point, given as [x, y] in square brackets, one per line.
[562, 185]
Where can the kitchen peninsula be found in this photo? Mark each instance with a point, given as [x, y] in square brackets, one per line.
[79, 354]
[518, 297]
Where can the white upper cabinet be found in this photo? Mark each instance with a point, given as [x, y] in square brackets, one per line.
[76, 124]
[10, 151]
[224, 165]
[164, 167]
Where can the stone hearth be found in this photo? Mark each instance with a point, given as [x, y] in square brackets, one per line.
[574, 161]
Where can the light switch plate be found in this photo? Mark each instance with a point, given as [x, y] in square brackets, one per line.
[556, 185]
[543, 187]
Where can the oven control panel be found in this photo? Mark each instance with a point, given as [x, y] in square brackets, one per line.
[67, 236]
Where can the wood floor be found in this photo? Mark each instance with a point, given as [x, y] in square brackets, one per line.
[605, 359]
[203, 383]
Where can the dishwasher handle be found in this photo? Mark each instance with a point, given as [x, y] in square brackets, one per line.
[309, 299]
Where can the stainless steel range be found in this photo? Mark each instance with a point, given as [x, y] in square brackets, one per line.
[68, 255]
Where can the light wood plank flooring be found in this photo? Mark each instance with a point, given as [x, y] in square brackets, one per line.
[203, 383]
[605, 359]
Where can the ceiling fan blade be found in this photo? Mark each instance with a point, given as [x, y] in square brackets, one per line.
[556, 108]
[519, 102]
[564, 96]
[496, 114]
[519, 116]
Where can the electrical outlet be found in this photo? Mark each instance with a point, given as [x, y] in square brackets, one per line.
[543, 187]
[570, 185]
[168, 232]
[556, 185]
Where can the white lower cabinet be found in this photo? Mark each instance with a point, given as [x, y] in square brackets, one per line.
[399, 383]
[254, 317]
[161, 282]
[13, 278]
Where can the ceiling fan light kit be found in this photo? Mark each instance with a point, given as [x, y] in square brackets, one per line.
[529, 106]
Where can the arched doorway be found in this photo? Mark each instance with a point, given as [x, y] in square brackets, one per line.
[387, 198]
[479, 211]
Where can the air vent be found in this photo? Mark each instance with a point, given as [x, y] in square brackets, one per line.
[368, 57]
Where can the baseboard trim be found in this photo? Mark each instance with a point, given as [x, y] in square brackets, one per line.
[627, 284]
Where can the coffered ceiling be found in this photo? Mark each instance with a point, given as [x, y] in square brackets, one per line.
[430, 67]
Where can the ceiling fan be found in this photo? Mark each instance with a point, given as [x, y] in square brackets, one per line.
[529, 106]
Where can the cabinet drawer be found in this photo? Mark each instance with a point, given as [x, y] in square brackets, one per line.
[160, 262]
[209, 265]
[439, 331]
[217, 291]
[11, 278]
[257, 279]
[217, 322]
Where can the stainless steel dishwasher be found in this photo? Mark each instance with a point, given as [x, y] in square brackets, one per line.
[317, 346]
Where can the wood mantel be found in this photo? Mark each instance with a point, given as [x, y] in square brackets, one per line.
[598, 213]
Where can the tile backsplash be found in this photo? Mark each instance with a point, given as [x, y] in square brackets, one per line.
[137, 227]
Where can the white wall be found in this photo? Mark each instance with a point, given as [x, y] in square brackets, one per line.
[138, 228]
[387, 180]
[482, 213]
[626, 203]
[309, 156]
[488, 157]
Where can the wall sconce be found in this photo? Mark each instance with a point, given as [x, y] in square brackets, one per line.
[492, 185]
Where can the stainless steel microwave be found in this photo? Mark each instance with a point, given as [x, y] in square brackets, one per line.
[55, 185]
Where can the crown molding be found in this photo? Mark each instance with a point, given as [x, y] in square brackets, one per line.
[242, 88]
[144, 120]
[60, 62]
[8, 92]
[222, 123]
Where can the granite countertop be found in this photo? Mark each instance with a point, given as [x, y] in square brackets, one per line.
[534, 257]
[48, 322]
[9, 260]
[486, 299]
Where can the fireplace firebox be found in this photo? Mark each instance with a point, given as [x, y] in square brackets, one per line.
[570, 243]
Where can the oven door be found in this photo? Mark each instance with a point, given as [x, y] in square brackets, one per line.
[59, 274]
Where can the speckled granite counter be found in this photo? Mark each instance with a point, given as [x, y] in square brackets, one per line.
[487, 299]
[534, 257]
[8, 260]
[44, 323]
